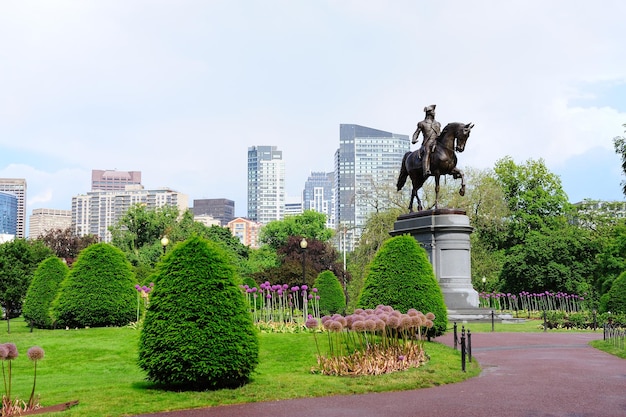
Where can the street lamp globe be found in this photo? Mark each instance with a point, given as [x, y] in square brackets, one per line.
[303, 243]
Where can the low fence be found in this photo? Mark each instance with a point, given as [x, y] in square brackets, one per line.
[465, 342]
[616, 335]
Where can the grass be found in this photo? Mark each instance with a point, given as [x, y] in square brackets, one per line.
[98, 367]
[609, 347]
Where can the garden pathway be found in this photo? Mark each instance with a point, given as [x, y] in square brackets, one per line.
[524, 375]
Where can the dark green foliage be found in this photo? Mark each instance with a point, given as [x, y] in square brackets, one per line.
[42, 291]
[401, 276]
[551, 260]
[18, 260]
[332, 298]
[98, 291]
[198, 332]
[616, 302]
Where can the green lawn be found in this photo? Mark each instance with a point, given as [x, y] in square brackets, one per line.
[98, 368]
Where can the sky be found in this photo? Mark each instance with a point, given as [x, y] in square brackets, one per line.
[180, 89]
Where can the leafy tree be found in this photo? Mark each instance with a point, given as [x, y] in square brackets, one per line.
[18, 260]
[552, 260]
[310, 224]
[619, 142]
[42, 291]
[374, 234]
[142, 226]
[198, 331]
[98, 291]
[611, 261]
[66, 244]
[534, 196]
[318, 256]
[616, 300]
[332, 298]
[401, 276]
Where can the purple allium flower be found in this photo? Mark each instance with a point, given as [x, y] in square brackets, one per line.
[317, 297]
[280, 291]
[430, 316]
[310, 296]
[401, 358]
[285, 287]
[358, 325]
[35, 353]
[3, 352]
[304, 288]
[11, 351]
[138, 287]
[152, 284]
[314, 290]
[311, 323]
[335, 326]
[145, 289]
[296, 288]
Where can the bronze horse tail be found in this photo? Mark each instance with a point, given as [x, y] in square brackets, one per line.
[404, 174]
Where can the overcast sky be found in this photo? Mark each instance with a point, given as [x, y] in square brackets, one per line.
[180, 89]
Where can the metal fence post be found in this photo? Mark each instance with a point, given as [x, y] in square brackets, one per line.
[455, 336]
[463, 349]
[469, 345]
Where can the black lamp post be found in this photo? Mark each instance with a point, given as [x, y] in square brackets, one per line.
[164, 242]
[303, 245]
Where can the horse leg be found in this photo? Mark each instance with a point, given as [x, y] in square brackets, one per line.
[411, 200]
[437, 191]
[457, 173]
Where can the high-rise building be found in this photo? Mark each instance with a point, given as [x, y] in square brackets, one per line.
[366, 160]
[93, 213]
[43, 220]
[266, 184]
[293, 206]
[221, 209]
[17, 187]
[112, 180]
[318, 195]
[8, 216]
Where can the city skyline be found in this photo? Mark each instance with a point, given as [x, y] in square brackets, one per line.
[181, 90]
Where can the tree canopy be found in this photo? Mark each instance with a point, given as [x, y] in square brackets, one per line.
[310, 225]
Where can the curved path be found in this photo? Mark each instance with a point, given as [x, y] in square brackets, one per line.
[524, 374]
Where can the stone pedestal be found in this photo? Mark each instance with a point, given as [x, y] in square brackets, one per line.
[445, 235]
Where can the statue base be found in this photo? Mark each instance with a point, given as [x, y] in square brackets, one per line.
[445, 235]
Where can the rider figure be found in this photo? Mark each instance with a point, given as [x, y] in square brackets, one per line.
[430, 129]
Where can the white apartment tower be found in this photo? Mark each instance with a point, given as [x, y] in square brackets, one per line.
[266, 184]
[367, 159]
[93, 213]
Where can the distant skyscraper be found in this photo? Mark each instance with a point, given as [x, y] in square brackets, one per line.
[221, 209]
[93, 213]
[318, 195]
[17, 187]
[8, 216]
[112, 180]
[43, 220]
[366, 159]
[266, 184]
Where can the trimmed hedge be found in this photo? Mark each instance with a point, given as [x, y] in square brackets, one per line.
[98, 291]
[332, 298]
[42, 292]
[401, 276]
[198, 332]
[616, 300]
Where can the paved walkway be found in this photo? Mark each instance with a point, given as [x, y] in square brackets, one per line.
[524, 375]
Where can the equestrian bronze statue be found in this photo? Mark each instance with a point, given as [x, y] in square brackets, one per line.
[442, 161]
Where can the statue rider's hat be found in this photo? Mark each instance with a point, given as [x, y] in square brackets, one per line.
[430, 109]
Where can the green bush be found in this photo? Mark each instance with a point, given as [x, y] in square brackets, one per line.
[98, 291]
[401, 276]
[198, 332]
[616, 302]
[332, 298]
[42, 291]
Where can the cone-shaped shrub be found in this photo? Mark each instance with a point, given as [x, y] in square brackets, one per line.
[401, 276]
[42, 291]
[98, 291]
[332, 298]
[616, 300]
[198, 332]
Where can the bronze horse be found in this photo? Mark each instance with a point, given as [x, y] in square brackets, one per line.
[442, 162]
